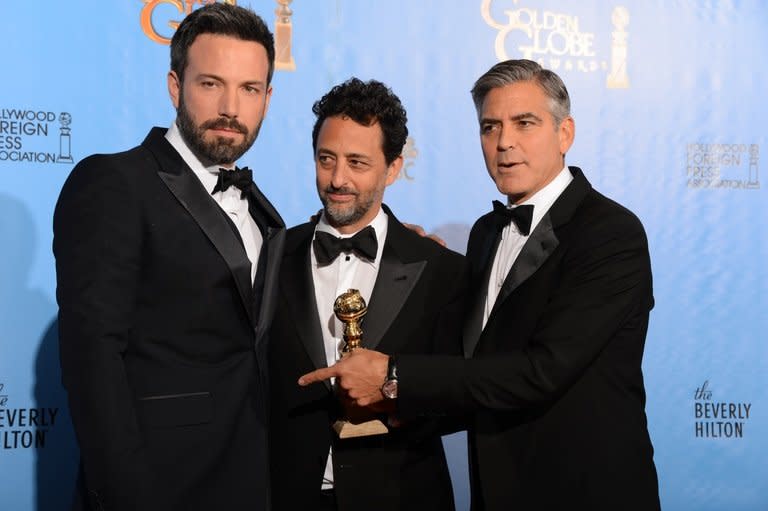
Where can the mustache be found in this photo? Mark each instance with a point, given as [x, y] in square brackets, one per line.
[343, 189]
[224, 123]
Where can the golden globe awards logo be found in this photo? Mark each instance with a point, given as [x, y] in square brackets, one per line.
[718, 419]
[557, 40]
[24, 428]
[169, 13]
[35, 136]
[166, 9]
[733, 166]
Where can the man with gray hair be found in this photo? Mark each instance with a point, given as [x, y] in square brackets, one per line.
[555, 330]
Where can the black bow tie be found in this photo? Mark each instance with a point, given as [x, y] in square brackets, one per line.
[240, 178]
[328, 247]
[521, 215]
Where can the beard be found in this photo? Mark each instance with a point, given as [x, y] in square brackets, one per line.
[340, 215]
[220, 150]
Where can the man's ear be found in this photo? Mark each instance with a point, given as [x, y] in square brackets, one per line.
[393, 170]
[267, 97]
[174, 88]
[566, 133]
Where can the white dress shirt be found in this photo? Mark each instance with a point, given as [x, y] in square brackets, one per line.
[348, 271]
[229, 200]
[512, 241]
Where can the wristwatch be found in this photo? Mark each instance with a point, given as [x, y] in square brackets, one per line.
[389, 389]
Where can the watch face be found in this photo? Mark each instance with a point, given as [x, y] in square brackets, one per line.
[389, 389]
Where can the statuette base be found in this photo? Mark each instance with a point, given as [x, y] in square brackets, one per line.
[348, 429]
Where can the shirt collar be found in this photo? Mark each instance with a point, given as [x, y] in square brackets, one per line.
[544, 198]
[379, 223]
[207, 175]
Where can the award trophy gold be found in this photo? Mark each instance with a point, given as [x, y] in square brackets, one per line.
[350, 307]
[283, 30]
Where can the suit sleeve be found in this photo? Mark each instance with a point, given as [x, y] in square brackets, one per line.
[447, 328]
[604, 289]
[97, 245]
[447, 334]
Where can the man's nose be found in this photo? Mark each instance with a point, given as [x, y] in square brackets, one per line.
[507, 138]
[229, 104]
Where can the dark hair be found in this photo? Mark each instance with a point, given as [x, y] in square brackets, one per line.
[513, 71]
[366, 103]
[222, 19]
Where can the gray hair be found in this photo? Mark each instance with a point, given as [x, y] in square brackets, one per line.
[513, 71]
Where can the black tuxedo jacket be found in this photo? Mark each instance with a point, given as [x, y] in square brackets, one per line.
[417, 300]
[555, 379]
[163, 339]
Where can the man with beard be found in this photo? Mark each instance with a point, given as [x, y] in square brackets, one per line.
[167, 257]
[556, 324]
[413, 288]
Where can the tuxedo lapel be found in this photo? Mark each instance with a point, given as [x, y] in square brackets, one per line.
[489, 238]
[541, 243]
[543, 240]
[298, 288]
[273, 231]
[396, 279]
[393, 285]
[188, 190]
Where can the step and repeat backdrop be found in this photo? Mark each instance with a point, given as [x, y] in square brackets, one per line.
[670, 110]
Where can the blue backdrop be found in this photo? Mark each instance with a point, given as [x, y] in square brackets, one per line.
[668, 98]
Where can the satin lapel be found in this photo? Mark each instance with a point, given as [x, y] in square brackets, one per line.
[536, 250]
[275, 240]
[188, 190]
[543, 240]
[481, 267]
[398, 274]
[298, 288]
[394, 284]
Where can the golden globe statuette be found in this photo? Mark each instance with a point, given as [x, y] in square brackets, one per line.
[350, 307]
[283, 34]
[754, 156]
[618, 78]
[65, 139]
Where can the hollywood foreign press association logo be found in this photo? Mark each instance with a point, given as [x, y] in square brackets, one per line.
[35, 136]
[730, 166]
[557, 40]
[24, 428]
[718, 419]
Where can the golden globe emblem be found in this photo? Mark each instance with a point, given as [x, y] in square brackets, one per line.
[350, 307]
[184, 7]
[283, 35]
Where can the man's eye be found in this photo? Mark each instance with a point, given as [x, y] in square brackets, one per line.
[358, 164]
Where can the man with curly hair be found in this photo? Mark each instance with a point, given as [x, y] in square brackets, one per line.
[413, 288]
[555, 331]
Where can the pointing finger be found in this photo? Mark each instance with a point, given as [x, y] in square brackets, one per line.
[318, 375]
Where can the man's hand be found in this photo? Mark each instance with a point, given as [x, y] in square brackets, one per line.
[360, 375]
[421, 232]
